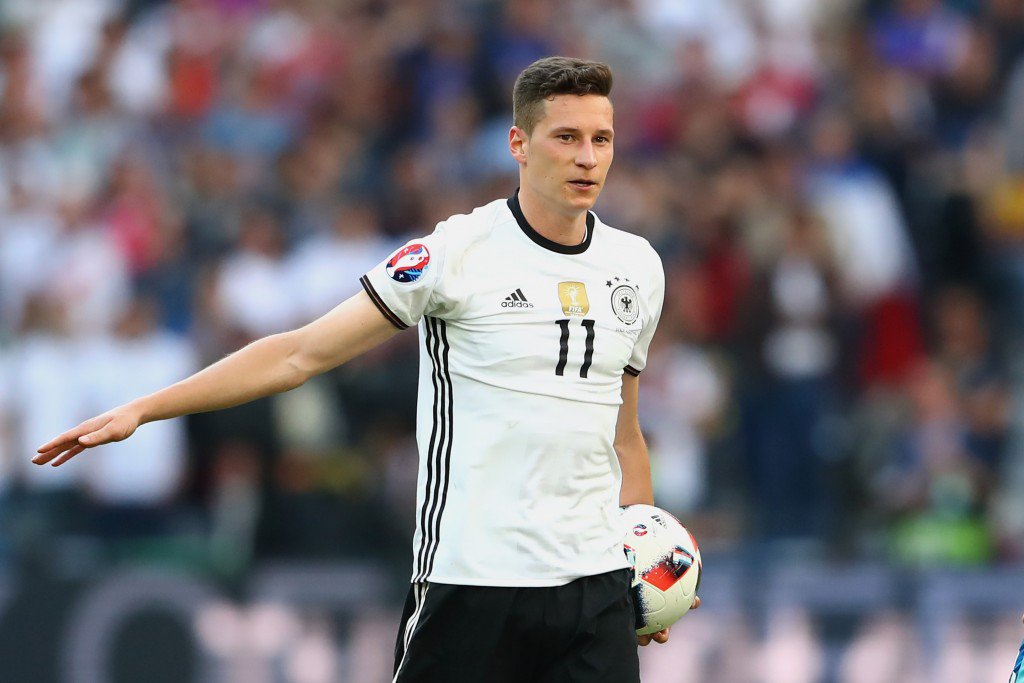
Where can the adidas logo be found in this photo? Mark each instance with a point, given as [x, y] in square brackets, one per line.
[516, 300]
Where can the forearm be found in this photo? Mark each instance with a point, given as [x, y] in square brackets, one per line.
[636, 471]
[273, 364]
[267, 366]
[262, 368]
[631, 448]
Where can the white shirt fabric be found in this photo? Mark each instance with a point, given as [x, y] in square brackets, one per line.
[325, 270]
[254, 294]
[89, 275]
[149, 468]
[8, 450]
[688, 390]
[27, 241]
[521, 361]
[867, 232]
[47, 382]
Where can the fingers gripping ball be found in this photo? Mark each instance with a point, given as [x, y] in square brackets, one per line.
[666, 567]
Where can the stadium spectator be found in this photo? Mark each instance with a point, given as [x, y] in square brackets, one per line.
[134, 485]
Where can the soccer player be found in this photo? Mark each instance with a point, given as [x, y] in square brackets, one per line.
[534, 320]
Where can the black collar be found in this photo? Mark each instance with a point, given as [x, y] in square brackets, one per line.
[517, 211]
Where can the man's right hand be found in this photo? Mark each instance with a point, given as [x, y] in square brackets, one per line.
[114, 425]
[267, 366]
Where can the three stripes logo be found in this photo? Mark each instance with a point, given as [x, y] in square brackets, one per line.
[516, 300]
[439, 452]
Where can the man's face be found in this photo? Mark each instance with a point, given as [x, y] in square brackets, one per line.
[566, 157]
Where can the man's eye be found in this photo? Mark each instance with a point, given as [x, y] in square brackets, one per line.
[565, 137]
[601, 139]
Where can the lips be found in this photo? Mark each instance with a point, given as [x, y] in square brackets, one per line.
[582, 183]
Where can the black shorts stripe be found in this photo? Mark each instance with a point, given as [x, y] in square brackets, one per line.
[379, 303]
[439, 451]
[630, 370]
[408, 627]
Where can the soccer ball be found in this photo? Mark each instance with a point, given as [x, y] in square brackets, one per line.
[666, 566]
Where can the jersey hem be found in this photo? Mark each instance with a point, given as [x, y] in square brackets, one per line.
[630, 370]
[519, 582]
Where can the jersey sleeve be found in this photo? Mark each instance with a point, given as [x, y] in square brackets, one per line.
[403, 285]
[654, 299]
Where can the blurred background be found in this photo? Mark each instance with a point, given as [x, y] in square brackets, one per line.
[836, 188]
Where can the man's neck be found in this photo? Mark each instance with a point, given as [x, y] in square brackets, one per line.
[556, 226]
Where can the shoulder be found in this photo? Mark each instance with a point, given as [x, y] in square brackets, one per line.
[627, 245]
[462, 234]
[465, 228]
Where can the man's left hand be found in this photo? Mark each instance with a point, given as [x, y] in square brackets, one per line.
[661, 636]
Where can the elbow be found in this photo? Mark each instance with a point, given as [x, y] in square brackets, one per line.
[296, 374]
[296, 369]
[629, 440]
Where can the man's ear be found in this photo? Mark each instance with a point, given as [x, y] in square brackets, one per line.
[518, 143]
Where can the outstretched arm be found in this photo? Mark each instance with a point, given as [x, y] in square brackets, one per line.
[267, 366]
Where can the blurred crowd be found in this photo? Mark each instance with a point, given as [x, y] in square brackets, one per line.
[836, 189]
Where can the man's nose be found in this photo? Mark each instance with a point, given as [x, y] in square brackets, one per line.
[586, 156]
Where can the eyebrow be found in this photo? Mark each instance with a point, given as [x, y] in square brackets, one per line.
[606, 132]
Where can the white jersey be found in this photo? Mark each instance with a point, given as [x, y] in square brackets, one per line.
[523, 343]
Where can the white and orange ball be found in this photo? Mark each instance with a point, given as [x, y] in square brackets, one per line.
[666, 566]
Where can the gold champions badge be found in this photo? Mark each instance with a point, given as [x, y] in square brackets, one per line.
[573, 296]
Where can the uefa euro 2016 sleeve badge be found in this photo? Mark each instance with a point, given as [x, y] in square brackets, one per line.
[408, 263]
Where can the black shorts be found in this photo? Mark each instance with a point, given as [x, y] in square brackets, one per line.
[582, 632]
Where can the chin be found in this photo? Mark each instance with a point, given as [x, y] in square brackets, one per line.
[581, 200]
[583, 203]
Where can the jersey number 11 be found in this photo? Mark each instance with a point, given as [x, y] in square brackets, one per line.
[563, 347]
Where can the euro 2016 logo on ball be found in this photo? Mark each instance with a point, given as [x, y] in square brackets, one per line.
[408, 263]
[666, 567]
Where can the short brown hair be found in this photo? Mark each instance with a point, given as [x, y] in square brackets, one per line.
[552, 76]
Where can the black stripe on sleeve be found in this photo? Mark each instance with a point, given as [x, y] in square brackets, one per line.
[379, 303]
[630, 370]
